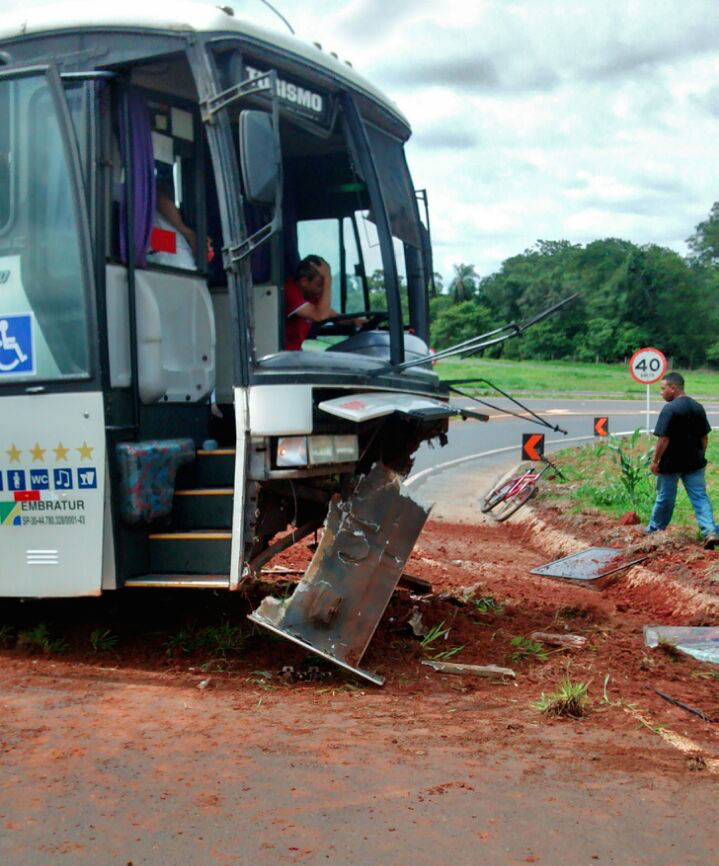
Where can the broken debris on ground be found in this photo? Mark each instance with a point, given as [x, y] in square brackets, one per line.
[339, 602]
[589, 567]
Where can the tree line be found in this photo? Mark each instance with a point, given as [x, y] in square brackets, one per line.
[631, 296]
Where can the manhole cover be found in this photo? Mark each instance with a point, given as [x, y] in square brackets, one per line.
[589, 565]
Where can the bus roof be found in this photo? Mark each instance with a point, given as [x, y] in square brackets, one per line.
[179, 17]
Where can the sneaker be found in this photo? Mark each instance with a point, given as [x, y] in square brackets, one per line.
[711, 541]
[645, 530]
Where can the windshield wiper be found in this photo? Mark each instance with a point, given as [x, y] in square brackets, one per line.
[535, 419]
[481, 341]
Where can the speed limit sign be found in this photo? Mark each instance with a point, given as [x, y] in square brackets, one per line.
[647, 366]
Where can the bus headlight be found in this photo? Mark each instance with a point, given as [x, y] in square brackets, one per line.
[346, 449]
[321, 450]
[296, 451]
[292, 451]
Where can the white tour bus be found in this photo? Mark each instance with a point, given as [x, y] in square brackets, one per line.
[162, 173]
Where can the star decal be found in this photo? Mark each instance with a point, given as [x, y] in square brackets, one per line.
[60, 452]
[37, 452]
[13, 453]
[85, 451]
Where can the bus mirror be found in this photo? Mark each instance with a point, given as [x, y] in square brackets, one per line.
[259, 157]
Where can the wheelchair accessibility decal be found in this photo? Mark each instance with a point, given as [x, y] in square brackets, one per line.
[17, 344]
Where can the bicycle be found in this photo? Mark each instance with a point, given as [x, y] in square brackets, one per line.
[515, 491]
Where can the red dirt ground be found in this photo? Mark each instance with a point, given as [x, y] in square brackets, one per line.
[674, 553]
[492, 560]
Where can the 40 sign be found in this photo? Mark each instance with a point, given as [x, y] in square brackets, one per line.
[647, 366]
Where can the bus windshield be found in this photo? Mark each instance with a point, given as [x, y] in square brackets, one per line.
[331, 209]
[43, 315]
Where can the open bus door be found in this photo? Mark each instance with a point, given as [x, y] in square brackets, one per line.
[52, 437]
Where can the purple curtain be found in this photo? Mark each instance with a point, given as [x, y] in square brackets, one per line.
[142, 177]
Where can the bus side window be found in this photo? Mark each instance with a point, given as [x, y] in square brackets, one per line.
[178, 219]
[5, 171]
[166, 185]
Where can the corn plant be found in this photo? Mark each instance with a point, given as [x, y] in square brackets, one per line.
[633, 466]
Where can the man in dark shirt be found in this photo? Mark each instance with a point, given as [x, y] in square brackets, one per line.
[682, 429]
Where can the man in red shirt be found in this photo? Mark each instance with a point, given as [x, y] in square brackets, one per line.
[308, 293]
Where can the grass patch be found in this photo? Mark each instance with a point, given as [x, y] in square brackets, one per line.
[600, 479]
[525, 649]
[181, 641]
[102, 640]
[219, 640]
[569, 613]
[560, 377]
[447, 654]
[428, 643]
[222, 640]
[569, 701]
[434, 634]
[7, 636]
[488, 606]
[40, 639]
[670, 650]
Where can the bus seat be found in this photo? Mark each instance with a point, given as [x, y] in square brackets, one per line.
[175, 332]
[147, 477]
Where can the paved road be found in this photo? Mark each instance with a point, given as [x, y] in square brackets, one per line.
[455, 487]
[575, 416]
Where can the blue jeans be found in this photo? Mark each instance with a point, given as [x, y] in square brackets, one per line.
[696, 489]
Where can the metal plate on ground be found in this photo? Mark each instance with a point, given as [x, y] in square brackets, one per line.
[339, 602]
[590, 567]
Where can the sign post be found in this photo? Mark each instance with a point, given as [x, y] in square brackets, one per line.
[647, 366]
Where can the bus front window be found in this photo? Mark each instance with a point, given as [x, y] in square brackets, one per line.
[43, 324]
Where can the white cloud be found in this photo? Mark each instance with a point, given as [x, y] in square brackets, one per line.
[540, 118]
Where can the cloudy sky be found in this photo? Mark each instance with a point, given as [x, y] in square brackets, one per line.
[551, 119]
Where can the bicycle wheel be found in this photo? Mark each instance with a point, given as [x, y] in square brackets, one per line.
[515, 502]
[495, 496]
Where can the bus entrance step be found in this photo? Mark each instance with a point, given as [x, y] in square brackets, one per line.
[203, 508]
[180, 581]
[216, 468]
[197, 552]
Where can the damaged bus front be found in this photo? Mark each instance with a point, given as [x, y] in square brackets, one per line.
[162, 173]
